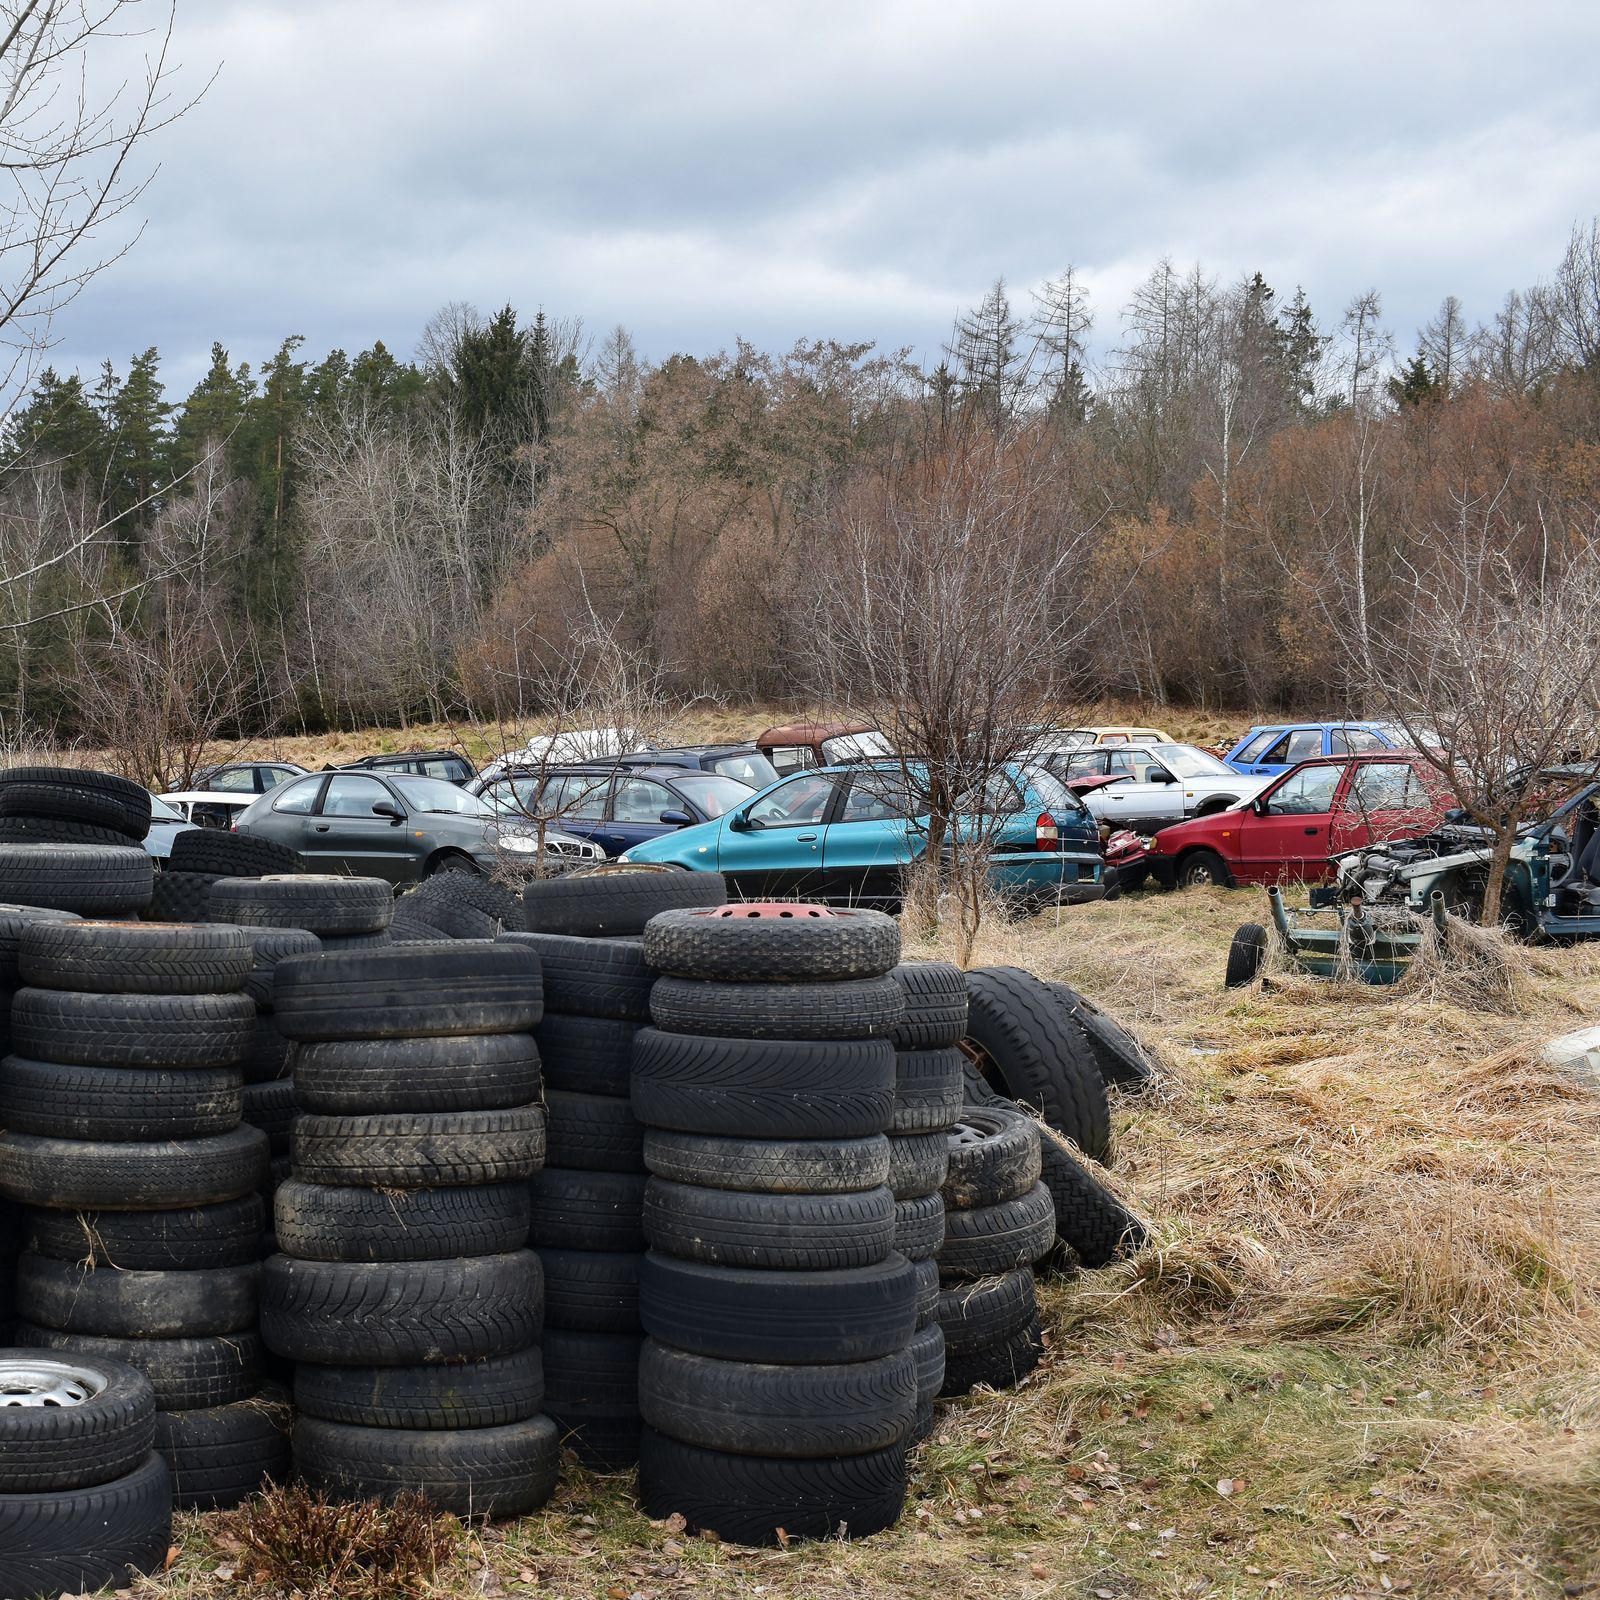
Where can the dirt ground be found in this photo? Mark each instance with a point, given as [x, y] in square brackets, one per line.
[1360, 1358]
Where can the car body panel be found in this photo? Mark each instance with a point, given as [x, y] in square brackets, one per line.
[1194, 781]
[166, 823]
[1087, 738]
[1270, 749]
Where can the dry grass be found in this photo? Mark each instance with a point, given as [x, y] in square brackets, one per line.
[1362, 1357]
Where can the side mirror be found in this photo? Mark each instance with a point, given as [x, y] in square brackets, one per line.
[740, 822]
[1161, 775]
[678, 819]
[387, 808]
[1259, 805]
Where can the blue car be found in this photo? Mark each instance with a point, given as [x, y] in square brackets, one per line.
[1273, 748]
[846, 834]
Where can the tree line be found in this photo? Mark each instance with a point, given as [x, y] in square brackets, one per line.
[1228, 492]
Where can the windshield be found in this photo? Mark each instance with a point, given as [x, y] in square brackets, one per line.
[866, 746]
[713, 795]
[432, 794]
[748, 767]
[1188, 762]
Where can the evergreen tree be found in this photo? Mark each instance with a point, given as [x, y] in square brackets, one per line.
[59, 427]
[274, 419]
[985, 353]
[213, 412]
[490, 376]
[139, 443]
[388, 385]
[1299, 351]
[1415, 385]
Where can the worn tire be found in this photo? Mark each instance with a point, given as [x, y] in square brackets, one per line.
[407, 992]
[592, 1395]
[589, 1055]
[994, 1157]
[918, 1164]
[132, 1030]
[14, 921]
[317, 1222]
[320, 902]
[354, 1077]
[928, 1351]
[593, 1133]
[79, 794]
[462, 1394]
[269, 946]
[1089, 1217]
[88, 1174]
[120, 1104]
[271, 1108]
[591, 1291]
[747, 1088]
[800, 944]
[987, 1240]
[1036, 1054]
[421, 1149]
[401, 1313]
[919, 1227]
[58, 830]
[587, 1210]
[472, 1472]
[996, 1366]
[731, 1228]
[1247, 953]
[864, 1008]
[935, 996]
[186, 1374]
[221, 1455]
[231, 855]
[927, 1090]
[1122, 1060]
[136, 1305]
[928, 1280]
[606, 904]
[94, 880]
[181, 896]
[224, 1235]
[590, 977]
[759, 1409]
[268, 1056]
[769, 1166]
[105, 1435]
[986, 1311]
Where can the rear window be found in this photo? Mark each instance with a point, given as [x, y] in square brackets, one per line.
[748, 767]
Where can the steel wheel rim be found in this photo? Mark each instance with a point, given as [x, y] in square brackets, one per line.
[39, 1383]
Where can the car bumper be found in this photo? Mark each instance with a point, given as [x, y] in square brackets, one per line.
[1064, 877]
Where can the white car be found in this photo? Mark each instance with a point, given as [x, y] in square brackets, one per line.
[572, 747]
[210, 808]
[1159, 784]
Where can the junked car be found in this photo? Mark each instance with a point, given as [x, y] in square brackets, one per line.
[794, 746]
[1154, 785]
[1272, 748]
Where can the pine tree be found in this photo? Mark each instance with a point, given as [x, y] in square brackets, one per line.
[213, 412]
[1415, 385]
[1299, 351]
[60, 428]
[984, 350]
[140, 443]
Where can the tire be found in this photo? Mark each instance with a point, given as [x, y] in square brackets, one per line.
[92, 880]
[796, 944]
[132, 1030]
[928, 1281]
[465, 1394]
[59, 830]
[605, 904]
[743, 1314]
[587, 1210]
[1089, 1217]
[591, 1291]
[590, 1055]
[221, 1455]
[593, 1133]
[935, 998]
[743, 1088]
[590, 977]
[136, 1305]
[996, 1366]
[408, 991]
[181, 896]
[1122, 1060]
[1024, 1039]
[401, 1313]
[784, 1231]
[77, 1541]
[97, 1427]
[224, 1235]
[271, 1108]
[319, 902]
[769, 1166]
[120, 1104]
[472, 1472]
[268, 1056]
[759, 1409]
[749, 1499]
[356, 1077]
[1247, 953]
[420, 1149]
[1203, 869]
[986, 1312]
[919, 1227]
[450, 919]
[410, 927]
[927, 1090]
[918, 1164]
[994, 1157]
[231, 855]
[592, 1395]
[338, 943]
[315, 1222]
[186, 1374]
[865, 1008]
[987, 1240]
[134, 957]
[13, 921]
[469, 891]
[76, 794]
[928, 1351]
[269, 946]
[92, 1174]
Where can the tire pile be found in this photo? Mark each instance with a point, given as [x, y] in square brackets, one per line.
[121, 1103]
[453, 905]
[588, 1202]
[202, 857]
[403, 1290]
[779, 1384]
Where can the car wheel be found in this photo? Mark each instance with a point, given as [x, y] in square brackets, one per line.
[1204, 869]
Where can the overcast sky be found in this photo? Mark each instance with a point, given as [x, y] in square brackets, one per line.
[704, 169]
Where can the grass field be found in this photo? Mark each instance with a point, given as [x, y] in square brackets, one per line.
[1360, 1359]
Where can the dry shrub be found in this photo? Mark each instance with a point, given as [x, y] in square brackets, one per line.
[297, 1541]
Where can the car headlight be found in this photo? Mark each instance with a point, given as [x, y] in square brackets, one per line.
[522, 843]
[624, 856]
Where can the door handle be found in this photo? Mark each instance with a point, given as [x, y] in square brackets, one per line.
[805, 838]
[1313, 830]
[324, 827]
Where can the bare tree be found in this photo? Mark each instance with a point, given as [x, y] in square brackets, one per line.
[1516, 352]
[1445, 344]
[1575, 297]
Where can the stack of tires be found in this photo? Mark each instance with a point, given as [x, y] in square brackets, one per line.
[454, 904]
[779, 1382]
[121, 1102]
[928, 1099]
[71, 839]
[202, 856]
[10, 1245]
[999, 1220]
[588, 1203]
[84, 1501]
[344, 913]
[403, 1290]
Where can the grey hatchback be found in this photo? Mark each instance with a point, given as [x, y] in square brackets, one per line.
[383, 825]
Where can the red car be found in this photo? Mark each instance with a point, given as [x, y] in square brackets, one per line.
[1291, 830]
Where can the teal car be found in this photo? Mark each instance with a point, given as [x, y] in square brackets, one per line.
[847, 833]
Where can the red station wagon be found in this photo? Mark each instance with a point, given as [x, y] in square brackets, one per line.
[1290, 832]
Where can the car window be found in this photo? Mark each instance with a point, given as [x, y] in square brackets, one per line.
[787, 758]
[160, 811]
[1304, 793]
[1048, 790]
[271, 777]
[1251, 750]
[519, 796]
[1090, 764]
[297, 799]
[1148, 770]
[714, 795]
[793, 804]
[446, 768]
[640, 800]
[1120, 761]
[748, 767]
[1304, 744]
[233, 780]
[1354, 741]
[429, 794]
[1387, 786]
[576, 796]
[1188, 763]
[876, 797]
[1113, 738]
[350, 796]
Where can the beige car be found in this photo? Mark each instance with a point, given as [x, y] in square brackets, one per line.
[1082, 738]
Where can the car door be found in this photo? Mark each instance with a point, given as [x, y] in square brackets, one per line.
[867, 846]
[346, 835]
[576, 802]
[1380, 800]
[635, 813]
[773, 846]
[285, 815]
[1286, 837]
[1287, 752]
[1126, 802]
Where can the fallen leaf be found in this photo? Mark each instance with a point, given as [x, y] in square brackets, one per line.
[783, 1538]
[1036, 1571]
[1225, 1487]
[172, 1557]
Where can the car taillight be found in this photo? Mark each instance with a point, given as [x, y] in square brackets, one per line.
[1044, 832]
